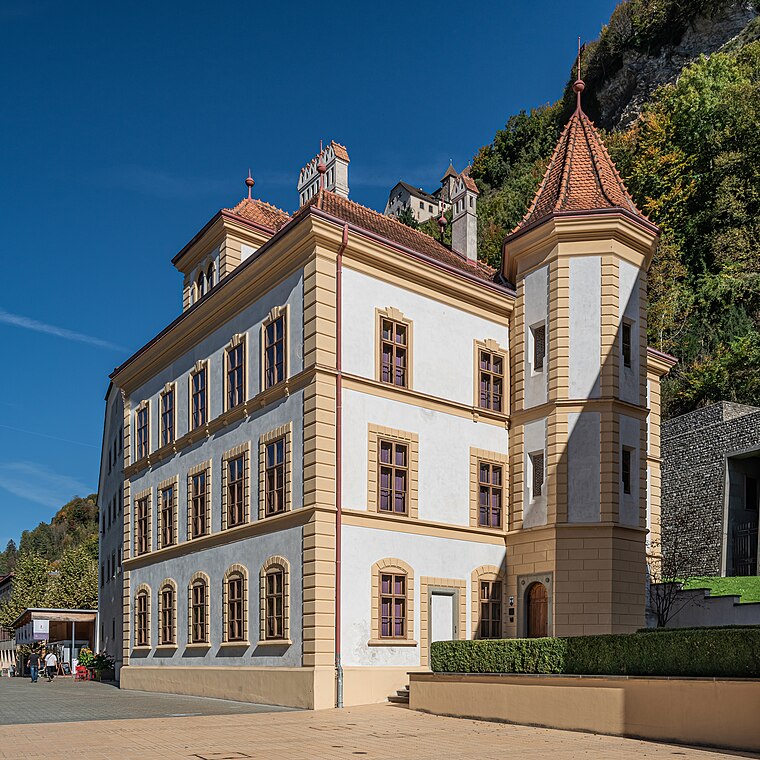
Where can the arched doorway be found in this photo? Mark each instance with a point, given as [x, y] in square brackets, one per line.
[536, 600]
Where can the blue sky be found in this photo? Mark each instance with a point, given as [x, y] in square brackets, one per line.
[124, 127]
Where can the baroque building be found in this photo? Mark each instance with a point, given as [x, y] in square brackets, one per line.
[355, 441]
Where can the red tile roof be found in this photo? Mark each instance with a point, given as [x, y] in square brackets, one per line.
[580, 177]
[260, 212]
[394, 231]
[340, 150]
[469, 183]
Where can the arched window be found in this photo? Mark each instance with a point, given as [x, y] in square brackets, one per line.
[167, 614]
[201, 286]
[275, 600]
[393, 601]
[210, 276]
[487, 602]
[198, 609]
[235, 605]
[142, 616]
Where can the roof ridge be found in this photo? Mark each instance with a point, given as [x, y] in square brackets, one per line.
[259, 202]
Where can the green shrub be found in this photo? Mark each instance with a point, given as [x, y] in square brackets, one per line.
[723, 652]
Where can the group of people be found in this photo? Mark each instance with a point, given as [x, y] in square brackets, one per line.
[36, 663]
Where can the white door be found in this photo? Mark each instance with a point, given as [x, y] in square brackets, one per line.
[442, 616]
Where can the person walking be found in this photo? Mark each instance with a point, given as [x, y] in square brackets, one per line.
[34, 666]
[50, 664]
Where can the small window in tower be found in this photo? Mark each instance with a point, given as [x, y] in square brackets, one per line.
[471, 203]
[538, 333]
[537, 474]
[625, 470]
[626, 341]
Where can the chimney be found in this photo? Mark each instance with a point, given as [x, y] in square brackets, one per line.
[334, 158]
[464, 223]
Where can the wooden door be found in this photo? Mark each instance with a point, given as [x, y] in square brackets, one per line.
[537, 611]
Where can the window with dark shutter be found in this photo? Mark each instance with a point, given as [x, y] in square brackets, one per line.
[539, 347]
[537, 465]
[626, 343]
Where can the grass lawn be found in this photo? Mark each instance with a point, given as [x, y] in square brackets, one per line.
[747, 587]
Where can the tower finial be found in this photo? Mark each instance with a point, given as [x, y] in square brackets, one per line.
[442, 223]
[321, 168]
[579, 85]
[250, 182]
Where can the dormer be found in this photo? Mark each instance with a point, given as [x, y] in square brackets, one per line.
[335, 159]
[229, 238]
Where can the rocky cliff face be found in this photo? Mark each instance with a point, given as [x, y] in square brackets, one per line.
[623, 95]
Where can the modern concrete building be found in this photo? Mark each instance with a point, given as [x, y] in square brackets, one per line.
[711, 469]
[355, 441]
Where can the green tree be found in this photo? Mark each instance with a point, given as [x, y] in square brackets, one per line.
[8, 558]
[406, 216]
[30, 586]
[75, 586]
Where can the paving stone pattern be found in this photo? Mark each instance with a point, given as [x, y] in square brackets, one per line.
[385, 731]
[694, 449]
[65, 700]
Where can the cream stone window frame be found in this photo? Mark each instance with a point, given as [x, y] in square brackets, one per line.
[375, 434]
[196, 579]
[168, 388]
[142, 591]
[167, 583]
[273, 316]
[486, 573]
[490, 346]
[428, 583]
[143, 407]
[396, 316]
[147, 496]
[273, 564]
[234, 571]
[173, 484]
[285, 432]
[203, 467]
[238, 340]
[244, 451]
[489, 457]
[202, 365]
[392, 566]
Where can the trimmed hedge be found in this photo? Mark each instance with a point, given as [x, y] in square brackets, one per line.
[727, 653]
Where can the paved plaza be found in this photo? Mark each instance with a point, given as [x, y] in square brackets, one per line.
[212, 729]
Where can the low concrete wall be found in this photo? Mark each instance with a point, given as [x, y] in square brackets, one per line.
[712, 712]
[309, 688]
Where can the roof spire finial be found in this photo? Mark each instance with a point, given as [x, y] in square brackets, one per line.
[321, 168]
[250, 182]
[442, 223]
[579, 85]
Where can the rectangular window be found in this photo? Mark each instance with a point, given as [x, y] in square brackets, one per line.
[625, 470]
[275, 605]
[490, 610]
[235, 630]
[167, 616]
[142, 432]
[198, 505]
[490, 493]
[198, 619]
[393, 606]
[199, 402]
[167, 516]
[491, 367]
[167, 417]
[393, 352]
[393, 461]
[539, 347]
[235, 376]
[143, 525]
[142, 620]
[274, 474]
[235, 491]
[274, 352]
[537, 466]
[626, 342]
[422, 205]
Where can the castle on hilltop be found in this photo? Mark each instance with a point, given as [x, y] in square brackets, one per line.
[355, 440]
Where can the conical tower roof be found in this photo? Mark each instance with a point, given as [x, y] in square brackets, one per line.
[580, 177]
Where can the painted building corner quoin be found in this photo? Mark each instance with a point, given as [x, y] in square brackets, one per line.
[304, 497]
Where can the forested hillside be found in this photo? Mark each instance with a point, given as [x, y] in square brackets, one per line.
[691, 160]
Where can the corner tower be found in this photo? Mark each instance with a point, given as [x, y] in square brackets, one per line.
[578, 448]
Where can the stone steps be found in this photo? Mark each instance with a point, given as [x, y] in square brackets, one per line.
[401, 697]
